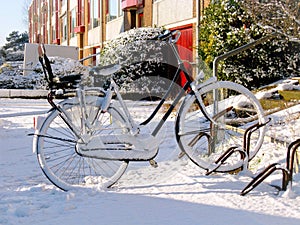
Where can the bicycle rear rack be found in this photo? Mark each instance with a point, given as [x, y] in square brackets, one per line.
[287, 171]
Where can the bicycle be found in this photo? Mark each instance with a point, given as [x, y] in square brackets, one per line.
[89, 140]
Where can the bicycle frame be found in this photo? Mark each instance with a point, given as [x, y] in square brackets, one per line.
[149, 152]
[189, 86]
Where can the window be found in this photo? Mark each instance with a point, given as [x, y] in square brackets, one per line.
[64, 28]
[94, 13]
[73, 22]
[54, 5]
[53, 33]
[114, 9]
[55, 29]
[120, 11]
[80, 20]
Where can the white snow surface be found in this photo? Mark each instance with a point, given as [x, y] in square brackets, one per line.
[177, 192]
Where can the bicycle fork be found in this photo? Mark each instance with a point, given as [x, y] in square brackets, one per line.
[103, 106]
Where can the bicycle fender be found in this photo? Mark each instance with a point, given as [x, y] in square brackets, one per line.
[37, 125]
[106, 101]
[206, 83]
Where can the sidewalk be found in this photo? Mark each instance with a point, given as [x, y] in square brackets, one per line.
[22, 93]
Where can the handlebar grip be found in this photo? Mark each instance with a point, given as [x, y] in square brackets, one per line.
[177, 33]
[163, 37]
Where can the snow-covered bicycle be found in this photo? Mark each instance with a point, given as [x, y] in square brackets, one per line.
[89, 139]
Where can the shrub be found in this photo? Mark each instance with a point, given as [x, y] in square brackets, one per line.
[144, 61]
[227, 26]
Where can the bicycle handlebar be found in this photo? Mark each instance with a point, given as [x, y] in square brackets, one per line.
[169, 36]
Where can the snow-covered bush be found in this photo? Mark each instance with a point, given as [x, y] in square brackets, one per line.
[61, 67]
[141, 58]
[281, 16]
[14, 55]
[5, 67]
[11, 80]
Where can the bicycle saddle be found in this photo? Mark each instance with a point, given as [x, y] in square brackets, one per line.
[106, 70]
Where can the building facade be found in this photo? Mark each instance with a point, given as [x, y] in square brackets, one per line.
[88, 24]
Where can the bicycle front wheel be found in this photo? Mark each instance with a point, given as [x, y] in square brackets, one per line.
[56, 142]
[205, 134]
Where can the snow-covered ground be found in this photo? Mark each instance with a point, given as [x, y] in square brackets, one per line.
[177, 192]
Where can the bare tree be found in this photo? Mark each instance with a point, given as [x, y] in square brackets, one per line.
[281, 16]
[25, 8]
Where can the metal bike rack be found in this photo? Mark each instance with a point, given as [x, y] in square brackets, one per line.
[287, 170]
[232, 53]
[244, 152]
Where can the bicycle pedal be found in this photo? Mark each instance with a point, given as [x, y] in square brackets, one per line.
[153, 163]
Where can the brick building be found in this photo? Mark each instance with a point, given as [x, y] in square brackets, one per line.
[88, 24]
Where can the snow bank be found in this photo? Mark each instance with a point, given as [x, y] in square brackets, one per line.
[176, 192]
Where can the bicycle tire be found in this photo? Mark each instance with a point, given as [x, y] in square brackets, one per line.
[55, 147]
[205, 141]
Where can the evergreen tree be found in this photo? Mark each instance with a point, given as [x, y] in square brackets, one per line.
[13, 49]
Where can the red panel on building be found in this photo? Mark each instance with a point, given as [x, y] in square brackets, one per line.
[79, 29]
[185, 48]
[125, 4]
[56, 41]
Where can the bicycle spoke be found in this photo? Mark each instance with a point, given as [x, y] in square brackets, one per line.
[56, 147]
[231, 109]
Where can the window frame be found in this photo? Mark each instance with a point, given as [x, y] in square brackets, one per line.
[73, 21]
[118, 12]
[94, 8]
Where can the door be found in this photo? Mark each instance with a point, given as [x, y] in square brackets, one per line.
[185, 49]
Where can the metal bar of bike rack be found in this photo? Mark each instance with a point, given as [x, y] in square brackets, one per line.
[238, 50]
[232, 53]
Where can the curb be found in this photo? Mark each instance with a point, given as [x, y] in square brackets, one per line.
[23, 93]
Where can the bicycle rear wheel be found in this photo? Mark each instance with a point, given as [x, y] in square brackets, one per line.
[56, 146]
[231, 109]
